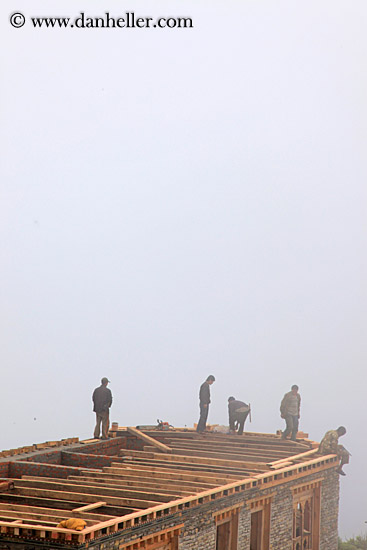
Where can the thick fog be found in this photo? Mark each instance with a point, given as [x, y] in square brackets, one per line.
[183, 202]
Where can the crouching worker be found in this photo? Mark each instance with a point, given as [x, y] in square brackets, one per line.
[238, 412]
[329, 446]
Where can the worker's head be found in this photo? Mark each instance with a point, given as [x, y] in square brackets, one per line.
[210, 379]
[294, 389]
[231, 399]
[104, 381]
[341, 431]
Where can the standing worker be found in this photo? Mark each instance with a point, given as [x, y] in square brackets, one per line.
[102, 401]
[290, 408]
[329, 446]
[238, 412]
[204, 400]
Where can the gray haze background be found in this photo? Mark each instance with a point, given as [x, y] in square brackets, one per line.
[178, 203]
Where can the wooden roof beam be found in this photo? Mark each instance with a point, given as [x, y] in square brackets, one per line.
[148, 439]
[262, 466]
[70, 488]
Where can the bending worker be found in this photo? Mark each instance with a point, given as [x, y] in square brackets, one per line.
[238, 412]
[329, 446]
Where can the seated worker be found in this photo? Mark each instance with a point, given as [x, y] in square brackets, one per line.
[329, 446]
[238, 412]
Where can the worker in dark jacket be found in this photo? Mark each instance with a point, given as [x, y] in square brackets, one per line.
[102, 401]
[204, 400]
[238, 412]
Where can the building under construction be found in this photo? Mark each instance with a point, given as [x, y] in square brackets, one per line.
[170, 490]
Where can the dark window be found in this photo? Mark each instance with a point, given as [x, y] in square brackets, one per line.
[227, 533]
[306, 521]
[256, 530]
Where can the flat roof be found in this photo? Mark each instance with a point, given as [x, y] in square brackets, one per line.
[139, 476]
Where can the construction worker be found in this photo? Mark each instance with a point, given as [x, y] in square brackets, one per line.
[290, 408]
[204, 401]
[238, 412]
[102, 401]
[329, 446]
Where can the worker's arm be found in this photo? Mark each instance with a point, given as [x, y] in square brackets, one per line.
[204, 395]
[283, 406]
[299, 405]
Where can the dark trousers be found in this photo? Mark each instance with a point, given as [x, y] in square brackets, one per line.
[291, 426]
[204, 410]
[240, 419]
[343, 455]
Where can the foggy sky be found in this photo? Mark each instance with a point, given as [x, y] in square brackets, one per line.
[179, 203]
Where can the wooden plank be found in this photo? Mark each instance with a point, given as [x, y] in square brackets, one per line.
[48, 512]
[153, 467]
[239, 441]
[90, 506]
[40, 518]
[300, 456]
[235, 446]
[167, 474]
[241, 458]
[247, 437]
[150, 440]
[199, 460]
[62, 505]
[249, 454]
[28, 519]
[42, 527]
[204, 468]
[85, 497]
[281, 465]
[123, 484]
[163, 478]
[168, 482]
[117, 490]
[71, 488]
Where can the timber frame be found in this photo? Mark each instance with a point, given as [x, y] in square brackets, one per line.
[138, 477]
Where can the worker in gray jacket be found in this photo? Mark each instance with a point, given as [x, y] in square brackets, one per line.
[102, 401]
[238, 412]
[290, 408]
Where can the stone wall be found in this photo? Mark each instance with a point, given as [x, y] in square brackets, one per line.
[199, 530]
[17, 469]
[329, 511]
[84, 460]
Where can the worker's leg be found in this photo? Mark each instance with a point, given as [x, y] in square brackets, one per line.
[242, 419]
[295, 421]
[97, 429]
[105, 424]
[203, 418]
[343, 455]
[288, 426]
